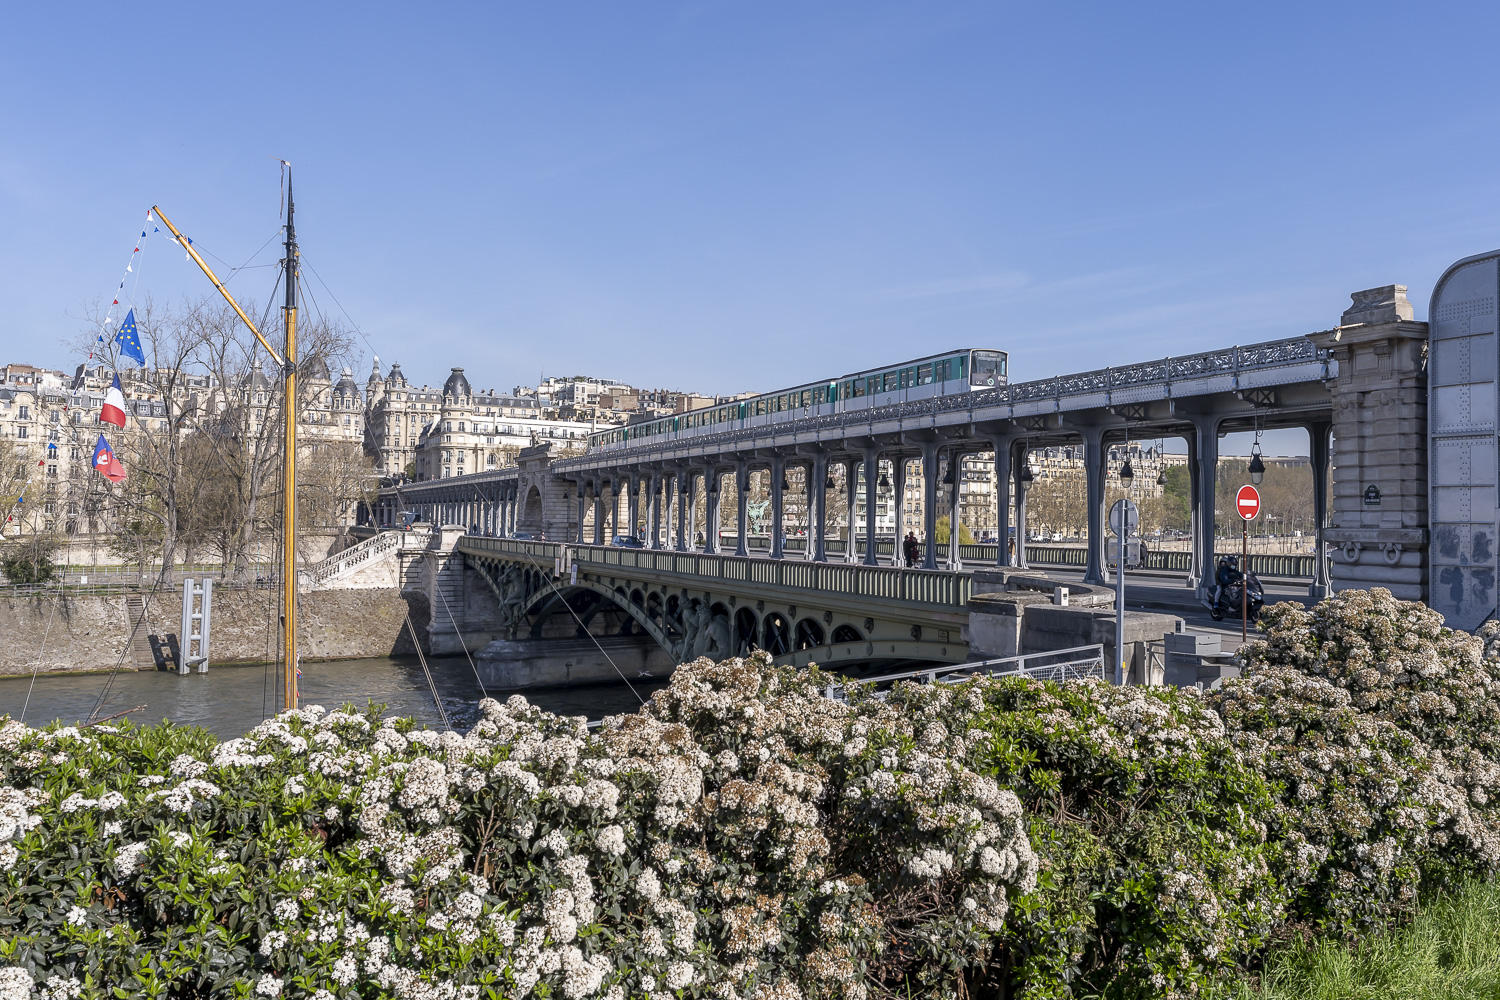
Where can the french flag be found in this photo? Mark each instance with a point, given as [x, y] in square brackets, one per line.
[114, 406]
[105, 461]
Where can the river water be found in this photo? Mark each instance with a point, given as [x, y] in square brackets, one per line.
[230, 700]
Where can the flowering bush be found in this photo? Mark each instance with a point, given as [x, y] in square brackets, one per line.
[1157, 875]
[1380, 732]
[742, 836]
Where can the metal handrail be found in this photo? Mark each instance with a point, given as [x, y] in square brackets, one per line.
[1089, 665]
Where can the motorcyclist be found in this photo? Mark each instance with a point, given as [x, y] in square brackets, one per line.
[1227, 576]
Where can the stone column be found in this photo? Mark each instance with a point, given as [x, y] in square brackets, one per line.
[929, 503]
[1317, 441]
[956, 467]
[580, 512]
[872, 478]
[898, 557]
[742, 513]
[778, 473]
[1095, 462]
[1379, 453]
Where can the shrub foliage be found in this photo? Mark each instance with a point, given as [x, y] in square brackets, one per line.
[743, 835]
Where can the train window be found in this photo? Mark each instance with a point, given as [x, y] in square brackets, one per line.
[872, 384]
[819, 396]
[806, 399]
[924, 374]
[888, 382]
[854, 388]
[985, 369]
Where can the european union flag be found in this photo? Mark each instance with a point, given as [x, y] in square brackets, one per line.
[129, 339]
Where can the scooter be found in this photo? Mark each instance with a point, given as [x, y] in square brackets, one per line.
[1227, 602]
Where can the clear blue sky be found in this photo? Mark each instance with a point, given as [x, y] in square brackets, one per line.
[725, 196]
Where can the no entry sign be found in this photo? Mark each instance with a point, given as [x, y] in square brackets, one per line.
[1247, 502]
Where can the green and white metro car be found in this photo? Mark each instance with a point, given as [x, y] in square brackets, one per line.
[936, 375]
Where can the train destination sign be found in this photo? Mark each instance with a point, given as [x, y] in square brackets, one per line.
[1247, 502]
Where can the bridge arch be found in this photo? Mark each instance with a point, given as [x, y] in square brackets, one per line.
[545, 603]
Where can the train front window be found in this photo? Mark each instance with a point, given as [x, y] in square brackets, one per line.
[986, 368]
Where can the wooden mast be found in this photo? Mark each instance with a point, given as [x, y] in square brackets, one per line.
[289, 461]
[287, 363]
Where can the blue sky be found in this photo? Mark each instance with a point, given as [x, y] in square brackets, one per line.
[727, 196]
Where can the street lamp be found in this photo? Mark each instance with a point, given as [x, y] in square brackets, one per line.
[1257, 467]
[1126, 473]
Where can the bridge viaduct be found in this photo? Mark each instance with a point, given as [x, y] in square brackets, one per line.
[534, 536]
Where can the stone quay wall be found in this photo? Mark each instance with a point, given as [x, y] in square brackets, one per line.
[62, 632]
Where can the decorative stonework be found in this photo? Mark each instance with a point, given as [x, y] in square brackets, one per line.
[1380, 445]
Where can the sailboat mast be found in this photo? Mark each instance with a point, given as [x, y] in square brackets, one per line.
[289, 463]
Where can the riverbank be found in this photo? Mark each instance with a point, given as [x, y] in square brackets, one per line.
[61, 632]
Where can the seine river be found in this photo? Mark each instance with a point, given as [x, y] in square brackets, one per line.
[230, 700]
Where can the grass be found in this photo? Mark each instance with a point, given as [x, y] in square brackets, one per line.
[1451, 949]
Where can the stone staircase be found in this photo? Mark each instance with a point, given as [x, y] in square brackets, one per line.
[338, 568]
[140, 655]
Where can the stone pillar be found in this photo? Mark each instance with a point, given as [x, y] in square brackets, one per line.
[778, 527]
[872, 478]
[1379, 451]
[580, 513]
[929, 504]
[1317, 441]
[898, 557]
[1095, 462]
[742, 518]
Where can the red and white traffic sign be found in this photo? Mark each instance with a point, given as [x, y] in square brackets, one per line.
[1247, 502]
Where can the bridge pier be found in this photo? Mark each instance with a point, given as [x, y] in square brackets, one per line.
[1204, 477]
[1095, 464]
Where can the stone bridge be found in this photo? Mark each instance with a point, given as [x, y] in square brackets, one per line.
[691, 604]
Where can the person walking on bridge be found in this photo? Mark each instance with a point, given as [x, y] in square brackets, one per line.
[910, 549]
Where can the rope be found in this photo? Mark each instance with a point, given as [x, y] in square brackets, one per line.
[461, 643]
[431, 684]
[109, 680]
[584, 629]
[40, 652]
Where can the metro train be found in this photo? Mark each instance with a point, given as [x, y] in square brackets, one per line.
[935, 375]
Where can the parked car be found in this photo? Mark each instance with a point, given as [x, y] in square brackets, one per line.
[524, 536]
[627, 542]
